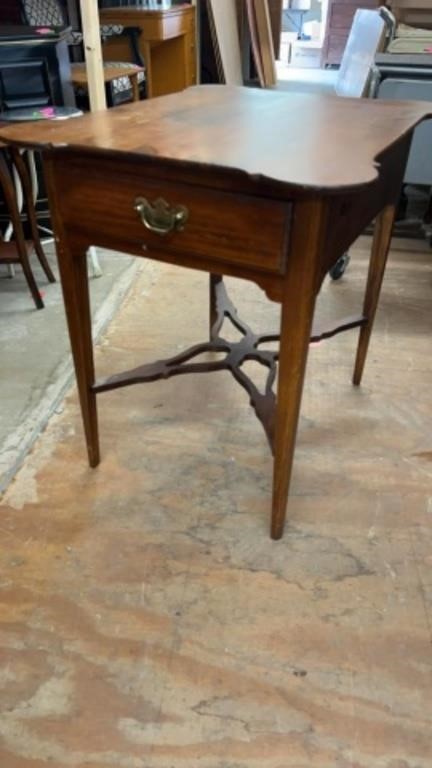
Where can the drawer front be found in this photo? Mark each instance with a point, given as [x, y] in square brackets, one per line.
[154, 26]
[176, 24]
[220, 226]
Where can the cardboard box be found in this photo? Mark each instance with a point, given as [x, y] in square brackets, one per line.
[305, 54]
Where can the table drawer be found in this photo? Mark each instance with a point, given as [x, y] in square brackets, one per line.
[221, 226]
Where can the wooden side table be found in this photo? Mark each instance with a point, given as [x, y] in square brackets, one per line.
[167, 44]
[206, 179]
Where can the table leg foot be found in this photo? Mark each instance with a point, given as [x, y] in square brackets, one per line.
[380, 249]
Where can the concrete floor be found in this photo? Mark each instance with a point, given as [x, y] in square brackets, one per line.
[147, 620]
[35, 361]
[304, 80]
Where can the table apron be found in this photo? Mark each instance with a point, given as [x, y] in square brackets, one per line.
[221, 229]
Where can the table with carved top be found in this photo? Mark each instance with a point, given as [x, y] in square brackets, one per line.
[267, 186]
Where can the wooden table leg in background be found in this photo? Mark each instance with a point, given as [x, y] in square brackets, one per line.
[31, 213]
[297, 313]
[8, 189]
[146, 52]
[380, 249]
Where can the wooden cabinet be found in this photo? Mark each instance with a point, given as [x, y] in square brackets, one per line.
[167, 45]
[340, 15]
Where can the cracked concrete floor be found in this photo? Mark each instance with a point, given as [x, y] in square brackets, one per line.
[147, 620]
[35, 361]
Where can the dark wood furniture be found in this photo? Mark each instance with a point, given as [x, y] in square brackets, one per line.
[19, 250]
[340, 15]
[207, 180]
[34, 68]
[167, 44]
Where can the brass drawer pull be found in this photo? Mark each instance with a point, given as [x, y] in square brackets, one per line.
[160, 217]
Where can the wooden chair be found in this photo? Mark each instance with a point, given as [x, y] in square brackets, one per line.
[19, 250]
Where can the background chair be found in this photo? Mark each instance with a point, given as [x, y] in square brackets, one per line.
[19, 250]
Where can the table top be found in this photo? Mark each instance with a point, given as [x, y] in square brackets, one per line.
[306, 140]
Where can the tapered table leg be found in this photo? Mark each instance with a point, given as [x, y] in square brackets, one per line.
[296, 323]
[74, 280]
[380, 248]
[72, 262]
[8, 189]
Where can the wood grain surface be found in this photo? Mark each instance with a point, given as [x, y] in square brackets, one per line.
[307, 140]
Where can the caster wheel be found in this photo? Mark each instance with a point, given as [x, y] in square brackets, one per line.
[339, 268]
